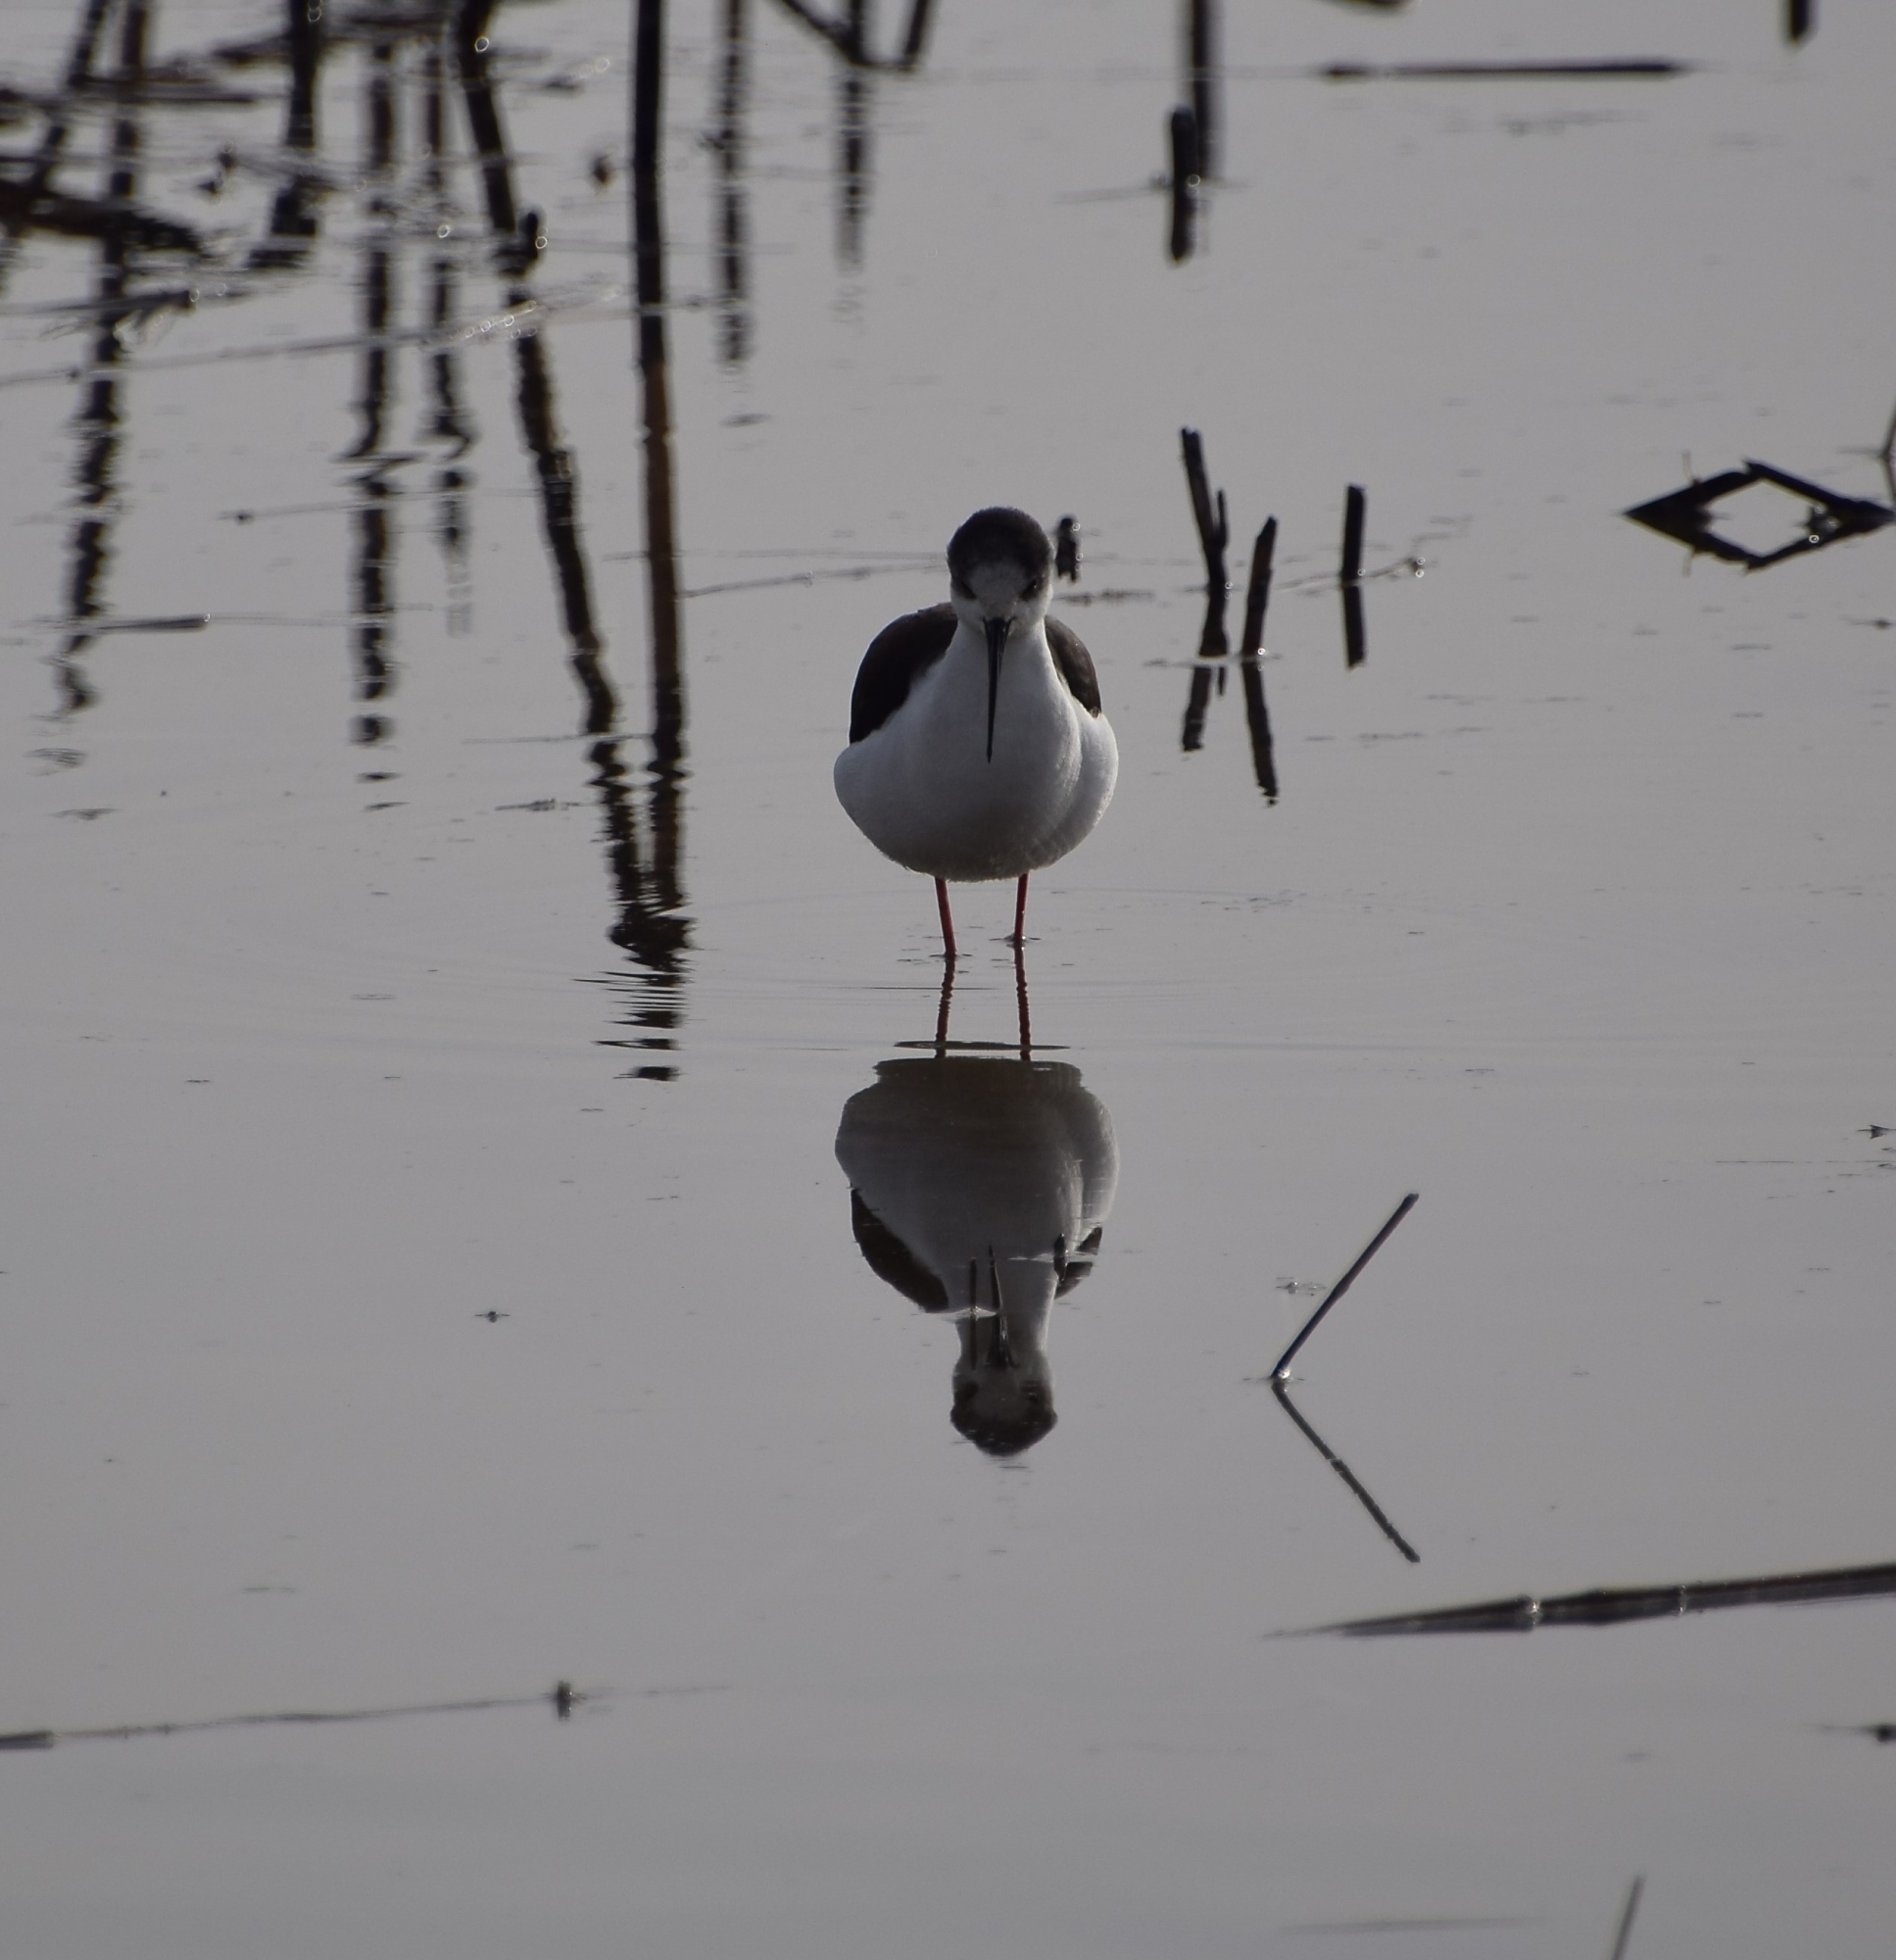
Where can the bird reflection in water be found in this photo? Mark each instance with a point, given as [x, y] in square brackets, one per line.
[978, 1189]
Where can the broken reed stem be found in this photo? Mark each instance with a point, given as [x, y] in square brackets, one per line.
[1352, 564]
[1260, 595]
[1184, 128]
[1214, 532]
[1343, 1286]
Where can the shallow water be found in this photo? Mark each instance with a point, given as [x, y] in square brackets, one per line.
[431, 1276]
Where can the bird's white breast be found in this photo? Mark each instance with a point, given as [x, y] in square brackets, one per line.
[922, 789]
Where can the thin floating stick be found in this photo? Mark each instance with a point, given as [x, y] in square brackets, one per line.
[1258, 597]
[1343, 1286]
[563, 1697]
[1631, 69]
[1625, 1933]
[1615, 1605]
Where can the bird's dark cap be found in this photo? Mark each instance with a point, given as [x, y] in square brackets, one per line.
[1000, 536]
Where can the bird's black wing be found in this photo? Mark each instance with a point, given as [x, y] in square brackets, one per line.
[1075, 663]
[897, 656]
[891, 1260]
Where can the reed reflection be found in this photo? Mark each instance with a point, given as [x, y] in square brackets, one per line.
[1194, 128]
[848, 36]
[293, 212]
[420, 56]
[732, 225]
[374, 515]
[978, 1189]
[644, 849]
[99, 419]
[450, 422]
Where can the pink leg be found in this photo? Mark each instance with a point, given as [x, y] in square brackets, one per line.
[1020, 912]
[948, 923]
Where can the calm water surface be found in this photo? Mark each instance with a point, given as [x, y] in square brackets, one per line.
[485, 1207]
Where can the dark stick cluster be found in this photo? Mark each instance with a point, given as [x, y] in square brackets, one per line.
[1211, 515]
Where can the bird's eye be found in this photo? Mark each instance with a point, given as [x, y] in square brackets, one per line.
[959, 587]
[1033, 589]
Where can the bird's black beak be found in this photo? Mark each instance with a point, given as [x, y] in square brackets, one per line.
[996, 642]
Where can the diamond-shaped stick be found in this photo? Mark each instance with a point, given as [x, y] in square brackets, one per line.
[1687, 516]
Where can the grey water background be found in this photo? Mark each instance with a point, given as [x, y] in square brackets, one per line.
[431, 998]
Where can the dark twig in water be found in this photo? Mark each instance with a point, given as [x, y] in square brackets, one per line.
[1258, 596]
[1351, 567]
[1343, 1286]
[1350, 576]
[1214, 533]
[1632, 69]
[1612, 1606]
[1625, 1933]
[1183, 132]
[1343, 1470]
[563, 1697]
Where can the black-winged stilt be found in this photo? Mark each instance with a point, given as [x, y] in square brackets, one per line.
[978, 748]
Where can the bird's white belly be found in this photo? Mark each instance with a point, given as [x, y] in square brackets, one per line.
[922, 789]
